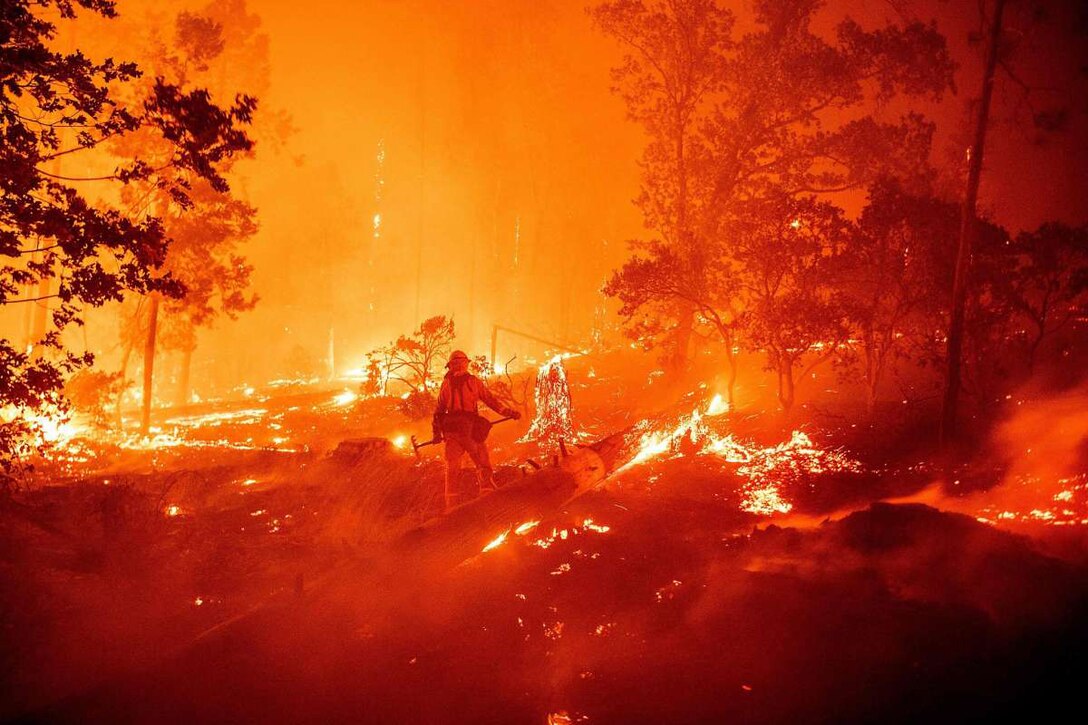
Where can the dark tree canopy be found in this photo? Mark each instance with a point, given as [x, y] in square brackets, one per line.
[775, 114]
[54, 106]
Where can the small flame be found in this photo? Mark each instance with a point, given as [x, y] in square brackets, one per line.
[717, 406]
[496, 542]
[526, 527]
[345, 398]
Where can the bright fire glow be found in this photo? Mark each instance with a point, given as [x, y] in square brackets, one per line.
[552, 422]
[765, 468]
[345, 398]
[496, 542]
[50, 423]
[717, 406]
[526, 527]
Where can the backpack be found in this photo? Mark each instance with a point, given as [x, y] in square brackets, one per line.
[464, 422]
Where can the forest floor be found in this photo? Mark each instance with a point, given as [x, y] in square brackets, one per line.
[235, 572]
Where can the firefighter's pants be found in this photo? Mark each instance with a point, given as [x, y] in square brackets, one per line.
[457, 445]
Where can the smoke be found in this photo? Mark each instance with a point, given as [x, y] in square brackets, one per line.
[1044, 446]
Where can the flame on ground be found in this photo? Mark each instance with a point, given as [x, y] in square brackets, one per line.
[496, 542]
[763, 467]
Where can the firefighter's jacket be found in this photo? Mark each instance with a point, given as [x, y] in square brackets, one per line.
[459, 401]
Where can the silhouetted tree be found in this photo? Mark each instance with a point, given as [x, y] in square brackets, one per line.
[48, 228]
[968, 232]
[416, 359]
[207, 225]
[660, 274]
[898, 277]
[674, 66]
[792, 252]
[1045, 280]
[770, 124]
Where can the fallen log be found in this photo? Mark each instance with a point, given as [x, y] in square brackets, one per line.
[463, 532]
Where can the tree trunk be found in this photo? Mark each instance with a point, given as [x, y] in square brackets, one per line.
[968, 231]
[785, 386]
[1033, 350]
[184, 377]
[731, 382]
[682, 340]
[872, 374]
[149, 364]
[120, 395]
[28, 320]
[41, 317]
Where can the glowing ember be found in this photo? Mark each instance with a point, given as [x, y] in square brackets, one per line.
[400, 441]
[552, 422]
[553, 631]
[564, 534]
[345, 398]
[526, 527]
[172, 510]
[590, 526]
[562, 717]
[1064, 508]
[496, 542]
[244, 416]
[765, 501]
[765, 468]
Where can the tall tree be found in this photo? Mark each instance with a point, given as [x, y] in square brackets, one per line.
[207, 224]
[898, 276]
[204, 256]
[968, 233]
[792, 253]
[772, 125]
[95, 254]
[673, 68]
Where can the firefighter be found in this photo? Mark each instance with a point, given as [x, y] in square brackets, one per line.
[457, 422]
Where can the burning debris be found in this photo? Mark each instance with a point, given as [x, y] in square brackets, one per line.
[765, 468]
[552, 422]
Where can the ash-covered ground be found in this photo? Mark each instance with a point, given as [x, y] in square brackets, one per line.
[239, 570]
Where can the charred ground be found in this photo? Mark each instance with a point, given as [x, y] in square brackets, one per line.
[238, 583]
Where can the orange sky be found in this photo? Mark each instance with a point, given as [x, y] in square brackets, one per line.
[508, 174]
